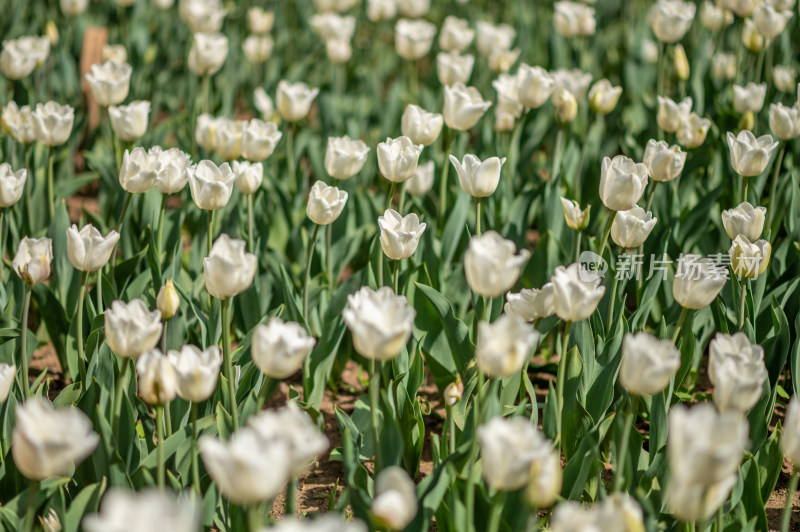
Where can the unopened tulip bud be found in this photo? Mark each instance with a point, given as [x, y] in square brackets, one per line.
[751, 38]
[681, 63]
[576, 218]
[168, 301]
[566, 106]
[603, 97]
[453, 392]
[51, 32]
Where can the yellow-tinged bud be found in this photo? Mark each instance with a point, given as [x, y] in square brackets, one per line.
[681, 63]
[168, 301]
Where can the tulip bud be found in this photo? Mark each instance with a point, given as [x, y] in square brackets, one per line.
[196, 372]
[603, 97]
[325, 203]
[422, 180]
[749, 260]
[208, 53]
[751, 38]
[647, 364]
[478, 178]
[504, 346]
[631, 228]
[744, 220]
[671, 19]
[392, 314]
[681, 63]
[413, 38]
[697, 282]
[566, 106]
[33, 258]
[279, 348]
[12, 184]
[750, 155]
[490, 265]
[421, 126]
[51, 32]
[737, 371]
[575, 295]
[395, 503]
[576, 218]
[168, 301]
[88, 250]
[294, 100]
[7, 379]
[345, 157]
[399, 235]
[229, 270]
[453, 392]
[622, 182]
[463, 106]
[790, 436]
[531, 304]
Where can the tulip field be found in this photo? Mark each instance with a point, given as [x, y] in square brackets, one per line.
[384, 265]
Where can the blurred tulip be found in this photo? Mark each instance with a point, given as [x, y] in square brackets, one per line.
[743, 8]
[576, 218]
[545, 480]
[750, 155]
[279, 348]
[150, 509]
[229, 138]
[769, 21]
[338, 50]
[422, 180]
[399, 235]
[18, 122]
[463, 106]
[48, 442]
[723, 66]
[671, 19]
[395, 502]
[167, 300]
[259, 21]
[648, 364]
[491, 38]
[453, 392]
[784, 121]
[131, 328]
[680, 63]
[631, 228]
[248, 176]
[603, 97]
[129, 122]
[116, 53]
[139, 170]
[566, 106]
[158, 383]
[264, 104]
[88, 250]
[452, 67]
[20, 56]
[531, 304]
[380, 322]
[208, 53]
[573, 19]
[749, 97]
[413, 38]
[345, 157]
[211, 185]
[332, 26]
[508, 448]
[196, 372]
[504, 346]
[535, 86]
[72, 8]
[744, 220]
[7, 376]
[749, 259]
[737, 371]
[413, 8]
[294, 100]
[205, 133]
[229, 270]
[664, 162]
[790, 436]
[575, 297]
[784, 78]
[52, 123]
[202, 16]
[455, 35]
[692, 130]
[110, 82]
[378, 10]
[751, 38]
[575, 81]
[501, 61]
[12, 184]
[325, 203]
[714, 17]
[622, 182]
[32, 261]
[490, 265]
[670, 113]
[697, 282]
[258, 48]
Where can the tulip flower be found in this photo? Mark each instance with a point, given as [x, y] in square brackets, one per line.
[279, 348]
[744, 220]
[129, 122]
[622, 182]
[264, 104]
[751, 38]
[692, 130]
[671, 113]
[12, 185]
[116, 53]
[20, 56]
[139, 170]
[399, 235]
[455, 35]
[575, 217]
[737, 371]
[259, 21]
[508, 107]
[478, 178]
[131, 328]
[110, 82]
[422, 180]
[566, 106]
[158, 383]
[680, 63]
[52, 125]
[248, 176]
[463, 106]
[749, 259]
[531, 304]
[572, 19]
[398, 159]
[211, 187]
[395, 502]
[453, 393]
[32, 260]
[671, 19]
[173, 169]
[545, 479]
[574, 81]
[769, 21]
[631, 228]
[7, 373]
[504, 346]
[258, 48]
[259, 139]
[490, 265]
[749, 97]
[149, 509]
[208, 53]
[723, 66]
[508, 448]
[18, 122]
[245, 470]
[205, 134]
[168, 301]
[576, 294]
[784, 121]
[697, 282]
[664, 163]
[603, 97]
[195, 372]
[48, 442]
[790, 436]
[345, 157]
[616, 512]
[784, 78]
[647, 364]
[501, 61]
[88, 250]
[294, 100]
[750, 155]
[72, 8]
[202, 16]
[413, 38]
[228, 143]
[494, 37]
[325, 203]
[379, 321]
[535, 86]
[420, 126]
[714, 17]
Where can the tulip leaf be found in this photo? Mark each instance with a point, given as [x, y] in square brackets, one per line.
[85, 502]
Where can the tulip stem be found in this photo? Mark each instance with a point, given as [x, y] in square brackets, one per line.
[745, 187]
[30, 512]
[448, 137]
[374, 395]
[578, 246]
[226, 356]
[557, 155]
[120, 223]
[160, 446]
[496, 511]
[451, 431]
[478, 217]
[622, 454]
[606, 231]
[51, 205]
[254, 520]
[250, 223]
[560, 378]
[23, 332]
[79, 328]
[789, 505]
[329, 260]
[742, 302]
[291, 498]
[773, 191]
[119, 387]
[390, 197]
[676, 333]
[293, 185]
[160, 231]
[611, 302]
[206, 92]
[2, 240]
[396, 277]
[264, 393]
[210, 232]
[309, 255]
[195, 464]
[650, 195]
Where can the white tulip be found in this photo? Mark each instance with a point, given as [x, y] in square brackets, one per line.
[7, 380]
[259, 139]
[202, 16]
[750, 155]
[151, 509]
[697, 281]
[631, 228]
[478, 178]
[566, 106]
[744, 220]
[603, 97]
[664, 162]
[399, 235]
[48, 442]
[463, 106]
[531, 304]
[751, 38]
[260, 21]
[575, 296]
[422, 180]
[749, 259]
[575, 81]
[168, 301]
[723, 66]
[208, 53]
[378, 10]
[785, 78]
[345, 157]
[622, 182]
[395, 503]
[131, 328]
[211, 185]
[413, 8]
[504, 346]
[490, 265]
[576, 218]
[508, 448]
[18, 122]
[784, 121]
[691, 502]
[129, 122]
[380, 322]
[714, 17]
[671, 19]
[116, 53]
[158, 383]
[572, 19]
[229, 134]
[749, 98]
[248, 176]
[452, 67]
[545, 479]
[648, 364]
[332, 26]
[737, 371]
[491, 37]
[196, 371]
[535, 86]
[72, 8]
[508, 104]
[32, 260]
[263, 103]
[20, 56]
[52, 123]
[769, 21]
[205, 132]
[671, 113]
[398, 158]
[413, 38]
[501, 61]
[294, 100]
[455, 35]
[279, 348]
[325, 203]
[12, 184]
[453, 392]
[88, 250]
[173, 172]
[692, 130]
[257, 48]
[110, 82]
[229, 270]
[339, 6]
[139, 170]
[790, 436]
